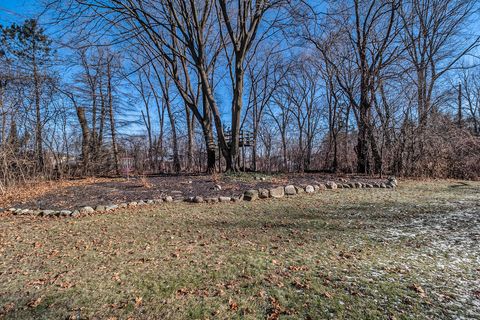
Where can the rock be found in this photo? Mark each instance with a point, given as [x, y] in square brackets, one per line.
[263, 193]
[346, 186]
[237, 198]
[123, 205]
[168, 199]
[321, 186]
[316, 187]
[343, 180]
[368, 185]
[25, 211]
[86, 210]
[111, 207]
[157, 201]
[132, 204]
[340, 185]
[250, 195]
[331, 185]
[309, 189]
[299, 189]
[150, 201]
[217, 187]
[290, 190]
[211, 200]
[75, 213]
[358, 185]
[352, 185]
[198, 199]
[277, 192]
[224, 199]
[392, 181]
[141, 203]
[100, 208]
[47, 213]
[65, 213]
[383, 185]
[12, 209]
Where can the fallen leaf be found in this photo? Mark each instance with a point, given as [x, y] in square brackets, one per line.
[35, 303]
[233, 305]
[417, 288]
[138, 302]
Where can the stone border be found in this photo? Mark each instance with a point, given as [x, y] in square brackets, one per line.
[248, 195]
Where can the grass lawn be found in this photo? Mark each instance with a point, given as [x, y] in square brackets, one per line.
[344, 254]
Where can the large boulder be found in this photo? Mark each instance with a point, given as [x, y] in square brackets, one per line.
[309, 189]
[290, 190]
[250, 195]
[277, 192]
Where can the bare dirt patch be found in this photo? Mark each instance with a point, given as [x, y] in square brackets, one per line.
[91, 192]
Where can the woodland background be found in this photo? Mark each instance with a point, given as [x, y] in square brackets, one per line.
[372, 87]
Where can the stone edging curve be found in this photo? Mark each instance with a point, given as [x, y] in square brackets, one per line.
[248, 195]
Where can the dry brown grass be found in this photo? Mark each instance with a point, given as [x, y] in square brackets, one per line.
[346, 254]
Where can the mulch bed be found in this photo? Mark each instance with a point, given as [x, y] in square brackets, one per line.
[118, 190]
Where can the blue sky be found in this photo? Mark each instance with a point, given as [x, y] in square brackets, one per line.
[17, 10]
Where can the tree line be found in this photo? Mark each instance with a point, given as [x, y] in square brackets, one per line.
[372, 87]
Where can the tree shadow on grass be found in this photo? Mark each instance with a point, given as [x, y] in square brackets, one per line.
[464, 186]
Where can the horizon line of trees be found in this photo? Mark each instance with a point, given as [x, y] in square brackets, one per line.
[370, 87]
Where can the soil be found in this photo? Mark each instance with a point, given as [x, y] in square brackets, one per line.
[118, 190]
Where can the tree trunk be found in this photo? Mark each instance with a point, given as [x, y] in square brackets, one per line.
[82, 119]
[38, 118]
[112, 118]
[190, 132]
[176, 159]
[362, 139]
